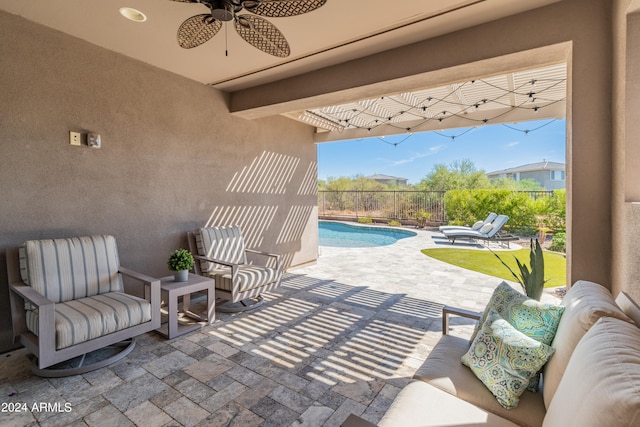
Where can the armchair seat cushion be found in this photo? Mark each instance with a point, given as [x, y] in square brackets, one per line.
[249, 277]
[84, 319]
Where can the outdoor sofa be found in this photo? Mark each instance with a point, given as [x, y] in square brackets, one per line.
[592, 378]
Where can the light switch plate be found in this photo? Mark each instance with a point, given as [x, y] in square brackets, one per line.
[75, 138]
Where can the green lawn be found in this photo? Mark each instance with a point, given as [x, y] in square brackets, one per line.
[555, 265]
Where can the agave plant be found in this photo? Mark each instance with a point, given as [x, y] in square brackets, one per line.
[532, 281]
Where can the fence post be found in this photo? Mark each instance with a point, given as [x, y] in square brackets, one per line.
[395, 205]
[324, 196]
[357, 202]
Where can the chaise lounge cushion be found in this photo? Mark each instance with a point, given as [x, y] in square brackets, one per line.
[584, 303]
[444, 371]
[420, 404]
[600, 383]
[84, 319]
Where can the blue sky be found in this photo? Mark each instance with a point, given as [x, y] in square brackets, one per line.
[490, 148]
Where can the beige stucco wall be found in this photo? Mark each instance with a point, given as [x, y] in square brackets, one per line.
[172, 157]
[626, 148]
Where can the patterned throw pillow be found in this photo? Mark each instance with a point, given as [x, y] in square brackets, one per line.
[535, 319]
[504, 359]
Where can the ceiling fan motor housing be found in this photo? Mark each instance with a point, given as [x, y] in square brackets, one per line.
[224, 10]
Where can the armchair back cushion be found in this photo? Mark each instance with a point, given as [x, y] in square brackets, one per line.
[223, 243]
[69, 269]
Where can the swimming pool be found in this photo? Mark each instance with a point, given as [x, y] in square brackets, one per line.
[341, 235]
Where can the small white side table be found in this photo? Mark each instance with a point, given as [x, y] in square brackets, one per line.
[171, 291]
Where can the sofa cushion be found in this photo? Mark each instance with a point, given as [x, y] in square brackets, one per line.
[535, 319]
[505, 359]
[584, 303]
[601, 384]
[420, 404]
[66, 269]
[443, 370]
[84, 319]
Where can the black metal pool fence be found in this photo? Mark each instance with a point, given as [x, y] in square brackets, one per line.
[401, 205]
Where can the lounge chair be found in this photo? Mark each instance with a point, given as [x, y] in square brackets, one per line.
[477, 226]
[221, 255]
[486, 232]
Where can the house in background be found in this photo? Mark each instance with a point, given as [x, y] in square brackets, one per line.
[550, 175]
[387, 179]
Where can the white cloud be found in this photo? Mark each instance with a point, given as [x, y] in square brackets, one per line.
[512, 144]
[432, 150]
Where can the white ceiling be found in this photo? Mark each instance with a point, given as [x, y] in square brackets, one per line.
[339, 31]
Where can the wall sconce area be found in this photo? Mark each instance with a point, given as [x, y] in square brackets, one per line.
[91, 139]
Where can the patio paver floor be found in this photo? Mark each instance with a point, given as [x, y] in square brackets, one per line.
[339, 337]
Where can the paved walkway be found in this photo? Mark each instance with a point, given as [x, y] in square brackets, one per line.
[338, 337]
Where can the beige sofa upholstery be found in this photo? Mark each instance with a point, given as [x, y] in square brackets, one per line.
[593, 378]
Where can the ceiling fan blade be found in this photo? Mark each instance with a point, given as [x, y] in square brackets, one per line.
[262, 34]
[284, 8]
[197, 30]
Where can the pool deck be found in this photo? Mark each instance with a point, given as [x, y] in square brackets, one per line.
[339, 337]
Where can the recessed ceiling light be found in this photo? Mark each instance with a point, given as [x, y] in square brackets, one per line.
[132, 14]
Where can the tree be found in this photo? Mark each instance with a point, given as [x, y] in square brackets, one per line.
[513, 185]
[458, 175]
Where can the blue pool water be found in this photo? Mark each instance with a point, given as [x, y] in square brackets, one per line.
[352, 236]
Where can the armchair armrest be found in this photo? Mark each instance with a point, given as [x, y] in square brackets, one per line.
[234, 267]
[151, 291]
[448, 310]
[138, 276]
[27, 293]
[215, 261]
[267, 254]
[46, 313]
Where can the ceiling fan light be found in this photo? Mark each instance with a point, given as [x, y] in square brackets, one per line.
[132, 14]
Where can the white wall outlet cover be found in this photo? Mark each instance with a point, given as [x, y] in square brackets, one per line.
[75, 138]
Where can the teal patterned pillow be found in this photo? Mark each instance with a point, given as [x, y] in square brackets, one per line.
[535, 319]
[504, 359]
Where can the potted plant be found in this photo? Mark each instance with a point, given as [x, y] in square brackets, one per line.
[181, 261]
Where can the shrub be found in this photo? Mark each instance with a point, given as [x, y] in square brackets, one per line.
[365, 220]
[469, 206]
[421, 218]
[394, 223]
[559, 242]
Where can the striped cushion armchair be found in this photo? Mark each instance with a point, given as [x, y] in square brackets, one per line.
[68, 299]
[222, 255]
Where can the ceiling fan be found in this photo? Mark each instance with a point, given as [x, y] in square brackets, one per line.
[255, 30]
